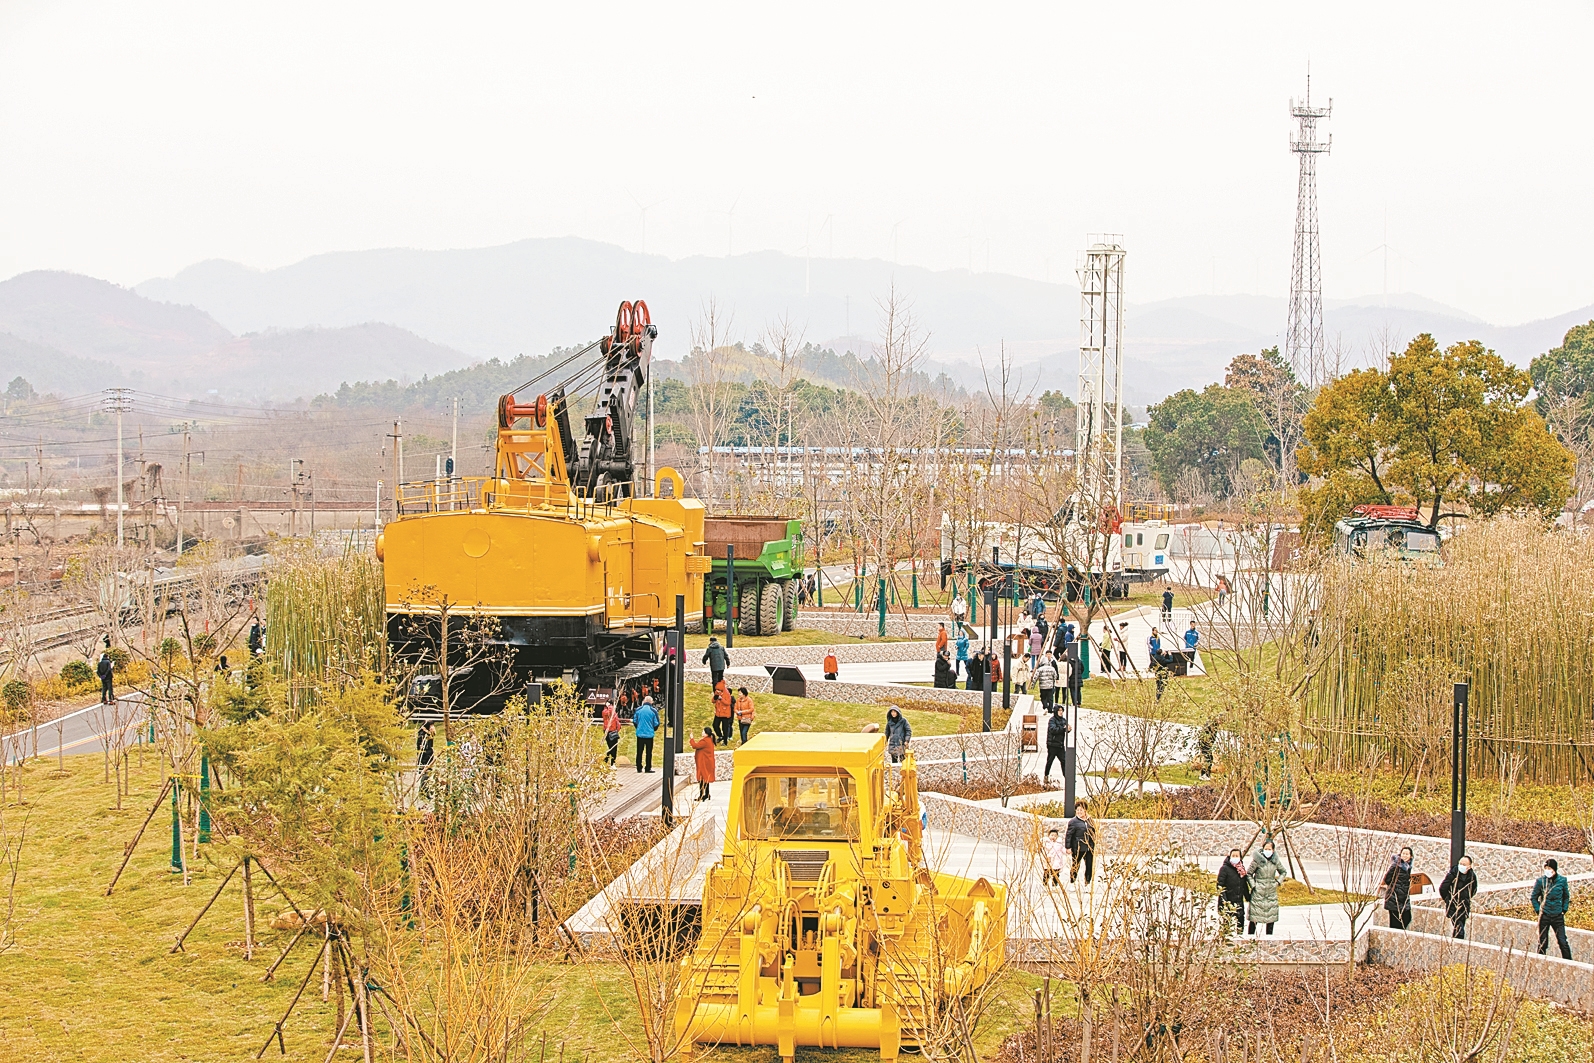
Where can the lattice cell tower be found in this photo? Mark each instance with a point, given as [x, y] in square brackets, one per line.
[1099, 445]
[1304, 340]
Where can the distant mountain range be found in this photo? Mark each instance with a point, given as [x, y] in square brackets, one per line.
[304, 329]
[70, 334]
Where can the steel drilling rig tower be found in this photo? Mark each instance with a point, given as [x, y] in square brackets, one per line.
[1099, 444]
[1304, 340]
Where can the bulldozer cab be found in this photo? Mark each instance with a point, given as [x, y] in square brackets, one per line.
[810, 788]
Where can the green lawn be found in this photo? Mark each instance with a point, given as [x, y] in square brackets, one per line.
[91, 977]
[800, 637]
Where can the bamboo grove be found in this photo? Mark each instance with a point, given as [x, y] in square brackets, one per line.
[1510, 611]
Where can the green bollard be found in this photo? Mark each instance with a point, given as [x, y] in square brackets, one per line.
[204, 798]
[819, 588]
[857, 593]
[177, 833]
[974, 600]
[1084, 658]
[915, 590]
[882, 608]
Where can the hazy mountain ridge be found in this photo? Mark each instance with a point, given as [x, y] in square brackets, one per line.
[71, 334]
[368, 317]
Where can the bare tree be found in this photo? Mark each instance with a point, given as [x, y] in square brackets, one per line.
[707, 372]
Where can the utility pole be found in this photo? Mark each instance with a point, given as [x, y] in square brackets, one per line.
[182, 497]
[398, 465]
[119, 401]
[453, 448]
[653, 469]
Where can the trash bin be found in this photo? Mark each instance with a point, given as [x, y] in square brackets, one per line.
[787, 679]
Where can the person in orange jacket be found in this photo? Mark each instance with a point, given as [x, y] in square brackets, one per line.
[703, 758]
[832, 667]
[724, 709]
[744, 712]
[940, 639]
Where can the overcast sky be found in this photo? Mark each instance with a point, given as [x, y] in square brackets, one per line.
[138, 138]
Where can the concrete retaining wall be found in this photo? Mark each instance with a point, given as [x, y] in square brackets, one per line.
[845, 652]
[867, 625]
[1547, 978]
[1310, 841]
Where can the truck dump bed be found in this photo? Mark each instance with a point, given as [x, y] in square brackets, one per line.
[747, 534]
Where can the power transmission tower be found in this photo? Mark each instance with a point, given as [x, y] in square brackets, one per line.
[118, 401]
[1099, 435]
[1304, 340]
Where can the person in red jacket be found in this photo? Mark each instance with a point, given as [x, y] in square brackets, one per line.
[703, 759]
[724, 710]
[832, 666]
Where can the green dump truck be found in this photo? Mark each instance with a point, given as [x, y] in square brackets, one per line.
[769, 570]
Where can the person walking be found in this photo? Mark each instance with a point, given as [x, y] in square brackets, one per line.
[1071, 679]
[1396, 890]
[703, 761]
[106, 670]
[1037, 641]
[945, 674]
[1021, 674]
[832, 666]
[898, 734]
[1046, 681]
[1056, 855]
[1123, 648]
[1551, 898]
[646, 722]
[1167, 605]
[257, 639]
[940, 638]
[1266, 872]
[1056, 744]
[611, 732]
[976, 672]
[962, 659]
[744, 712]
[724, 710]
[1043, 627]
[1234, 888]
[1458, 888]
[1081, 842]
[1192, 639]
[960, 609]
[716, 659]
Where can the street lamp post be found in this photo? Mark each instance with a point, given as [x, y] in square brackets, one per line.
[1458, 773]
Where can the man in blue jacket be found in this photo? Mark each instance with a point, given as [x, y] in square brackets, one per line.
[646, 721]
[1551, 898]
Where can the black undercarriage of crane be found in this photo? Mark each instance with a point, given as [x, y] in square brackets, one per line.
[569, 564]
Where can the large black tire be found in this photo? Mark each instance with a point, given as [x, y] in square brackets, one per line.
[747, 604]
[695, 627]
[769, 597]
[788, 619]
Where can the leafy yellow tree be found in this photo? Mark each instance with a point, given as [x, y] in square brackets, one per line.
[1438, 428]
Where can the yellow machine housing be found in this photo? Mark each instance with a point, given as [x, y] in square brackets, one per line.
[578, 564]
[822, 925]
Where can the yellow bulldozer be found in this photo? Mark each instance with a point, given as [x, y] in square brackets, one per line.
[822, 923]
[561, 559]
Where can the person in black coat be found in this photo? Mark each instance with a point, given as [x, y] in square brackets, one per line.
[976, 667]
[945, 677]
[1396, 890]
[1458, 889]
[1234, 887]
[1056, 743]
[1080, 841]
